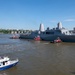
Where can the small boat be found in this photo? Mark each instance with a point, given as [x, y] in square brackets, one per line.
[14, 37]
[58, 40]
[6, 63]
[37, 38]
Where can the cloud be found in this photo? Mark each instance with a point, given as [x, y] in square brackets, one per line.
[69, 20]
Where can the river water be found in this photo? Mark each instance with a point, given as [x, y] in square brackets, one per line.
[38, 57]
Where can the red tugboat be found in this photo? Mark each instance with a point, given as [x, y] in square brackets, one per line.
[37, 38]
[58, 40]
[14, 37]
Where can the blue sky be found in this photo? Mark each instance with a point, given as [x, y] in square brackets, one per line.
[28, 14]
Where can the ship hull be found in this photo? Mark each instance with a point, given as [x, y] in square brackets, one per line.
[64, 38]
[68, 38]
[7, 67]
[22, 36]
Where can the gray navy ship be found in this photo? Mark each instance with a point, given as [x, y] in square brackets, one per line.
[51, 34]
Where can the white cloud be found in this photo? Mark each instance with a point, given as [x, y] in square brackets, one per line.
[69, 20]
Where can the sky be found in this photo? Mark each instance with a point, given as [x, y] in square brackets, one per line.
[28, 14]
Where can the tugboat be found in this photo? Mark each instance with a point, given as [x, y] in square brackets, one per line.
[6, 63]
[14, 37]
[37, 38]
[58, 40]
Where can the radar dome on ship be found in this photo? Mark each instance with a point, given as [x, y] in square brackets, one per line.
[59, 25]
[41, 28]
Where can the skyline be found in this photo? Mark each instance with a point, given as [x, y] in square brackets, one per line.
[28, 14]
